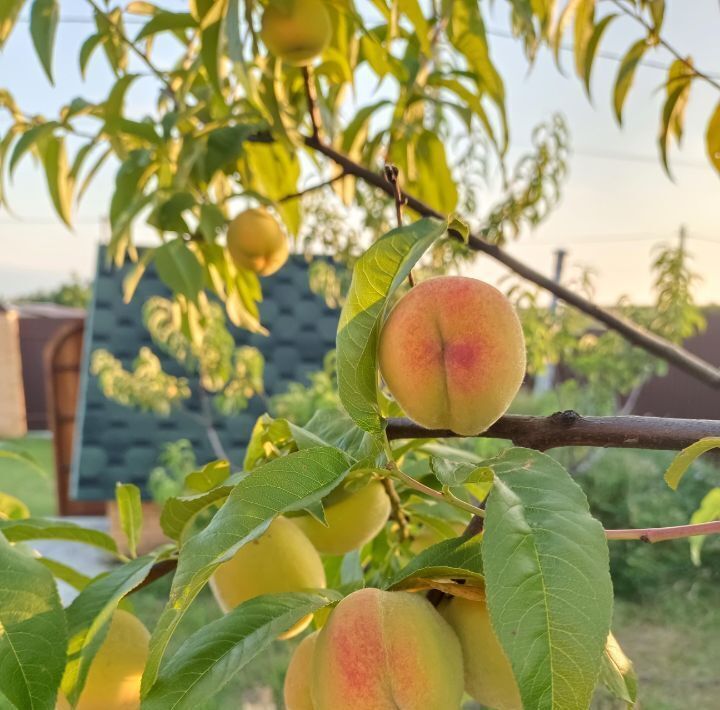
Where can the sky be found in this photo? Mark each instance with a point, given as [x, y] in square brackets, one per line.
[617, 204]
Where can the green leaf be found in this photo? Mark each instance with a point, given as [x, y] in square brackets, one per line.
[617, 673]
[134, 276]
[547, 580]
[712, 138]
[625, 76]
[680, 77]
[424, 171]
[46, 529]
[179, 511]
[686, 457]
[44, 17]
[67, 574]
[89, 616]
[708, 511]
[592, 47]
[9, 13]
[457, 558]
[57, 172]
[179, 268]
[224, 148]
[289, 483]
[129, 505]
[27, 140]
[466, 32]
[378, 272]
[210, 658]
[208, 477]
[12, 508]
[86, 51]
[33, 639]
[164, 21]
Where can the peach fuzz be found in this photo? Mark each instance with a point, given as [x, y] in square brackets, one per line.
[489, 678]
[452, 353]
[352, 520]
[282, 559]
[256, 241]
[386, 650]
[296, 690]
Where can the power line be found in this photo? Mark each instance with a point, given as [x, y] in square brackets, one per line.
[492, 31]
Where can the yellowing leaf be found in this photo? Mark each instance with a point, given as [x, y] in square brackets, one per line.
[626, 74]
[685, 458]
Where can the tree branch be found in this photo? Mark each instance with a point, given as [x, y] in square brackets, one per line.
[392, 175]
[397, 514]
[676, 532]
[313, 109]
[654, 344]
[158, 570]
[631, 12]
[312, 188]
[570, 429]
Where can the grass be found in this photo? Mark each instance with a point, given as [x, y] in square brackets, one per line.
[35, 488]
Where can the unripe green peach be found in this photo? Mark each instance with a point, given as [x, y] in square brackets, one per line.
[256, 241]
[296, 691]
[113, 680]
[489, 678]
[296, 31]
[282, 559]
[386, 650]
[352, 520]
[452, 354]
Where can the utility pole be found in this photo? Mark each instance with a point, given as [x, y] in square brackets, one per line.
[545, 381]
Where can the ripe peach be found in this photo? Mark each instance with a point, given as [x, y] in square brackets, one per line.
[386, 650]
[282, 559]
[296, 31]
[452, 354]
[113, 681]
[296, 690]
[256, 241]
[489, 677]
[353, 519]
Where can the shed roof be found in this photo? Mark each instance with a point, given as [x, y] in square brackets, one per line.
[115, 443]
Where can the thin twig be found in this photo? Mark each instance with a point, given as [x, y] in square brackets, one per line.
[631, 12]
[654, 344]
[392, 175]
[312, 188]
[210, 430]
[571, 429]
[676, 532]
[313, 109]
[135, 49]
[397, 513]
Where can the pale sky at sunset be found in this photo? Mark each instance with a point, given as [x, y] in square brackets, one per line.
[616, 205]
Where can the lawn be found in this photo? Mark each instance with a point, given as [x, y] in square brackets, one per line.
[673, 638]
[33, 484]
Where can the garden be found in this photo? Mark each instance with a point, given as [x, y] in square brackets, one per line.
[343, 472]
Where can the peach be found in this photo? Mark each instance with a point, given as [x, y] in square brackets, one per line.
[282, 559]
[297, 691]
[489, 677]
[386, 650]
[256, 241]
[113, 680]
[296, 31]
[452, 353]
[352, 518]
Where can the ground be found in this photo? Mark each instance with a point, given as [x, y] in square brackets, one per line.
[673, 639]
